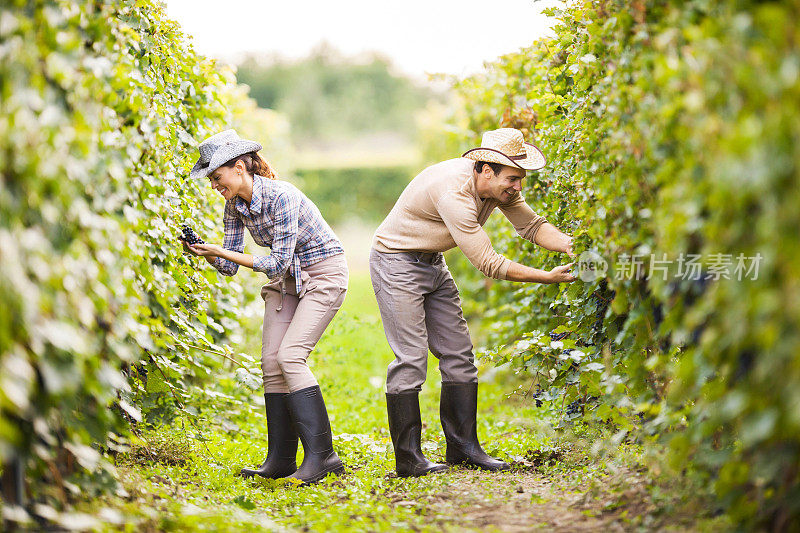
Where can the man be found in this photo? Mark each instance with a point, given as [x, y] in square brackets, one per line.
[446, 205]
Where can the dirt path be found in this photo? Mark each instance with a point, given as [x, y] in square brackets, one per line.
[525, 500]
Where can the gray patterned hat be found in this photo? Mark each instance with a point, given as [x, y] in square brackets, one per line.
[218, 150]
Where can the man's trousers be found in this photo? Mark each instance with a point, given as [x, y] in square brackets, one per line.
[421, 309]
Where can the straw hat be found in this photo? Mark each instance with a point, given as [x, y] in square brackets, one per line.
[218, 150]
[507, 147]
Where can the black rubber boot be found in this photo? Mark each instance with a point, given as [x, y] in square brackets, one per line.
[314, 428]
[281, 458]
[405, 426]
[458, 410]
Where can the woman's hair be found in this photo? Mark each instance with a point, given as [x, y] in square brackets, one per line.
[254, 164]
[496, 167]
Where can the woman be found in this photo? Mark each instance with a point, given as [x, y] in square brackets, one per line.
[308, 276]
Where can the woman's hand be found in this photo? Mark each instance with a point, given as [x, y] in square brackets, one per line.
[210, 251]
[205, 250]
[186, 247]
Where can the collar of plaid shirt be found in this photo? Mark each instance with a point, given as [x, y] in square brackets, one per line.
[256, 202]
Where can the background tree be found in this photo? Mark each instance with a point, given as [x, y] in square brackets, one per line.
[670, 132]
[100, 108]
[327, 96]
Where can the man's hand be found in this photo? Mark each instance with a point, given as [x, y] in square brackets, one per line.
[561, 274]
[569, 251]
[206, 250]
[550, 237]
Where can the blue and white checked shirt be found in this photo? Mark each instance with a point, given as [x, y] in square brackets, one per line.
[284, 219]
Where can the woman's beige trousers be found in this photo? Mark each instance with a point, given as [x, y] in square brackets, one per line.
[293, 324]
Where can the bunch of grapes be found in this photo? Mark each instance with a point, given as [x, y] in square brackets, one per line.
[190, 236]
[575, 408]
[580, 405]
[538, 396]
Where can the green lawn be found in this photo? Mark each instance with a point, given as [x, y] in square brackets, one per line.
[181, 476]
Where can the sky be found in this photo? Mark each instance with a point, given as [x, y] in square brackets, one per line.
[419, 36]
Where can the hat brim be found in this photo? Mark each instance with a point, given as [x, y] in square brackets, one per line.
[533, 160]
[225, 153]
[199, 170]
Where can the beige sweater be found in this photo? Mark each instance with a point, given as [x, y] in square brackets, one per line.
[440, 209]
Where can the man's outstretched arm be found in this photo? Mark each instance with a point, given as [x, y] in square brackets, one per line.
[519, 272]
[550, 237]
[535, 228]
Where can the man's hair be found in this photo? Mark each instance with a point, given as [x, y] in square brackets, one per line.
[496, 167]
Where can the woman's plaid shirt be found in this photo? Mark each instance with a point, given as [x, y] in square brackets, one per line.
[284, 219]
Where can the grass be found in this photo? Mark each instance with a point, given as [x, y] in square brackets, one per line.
[181, 477]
